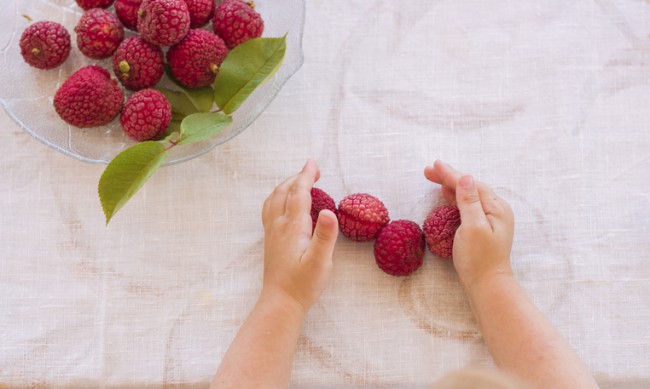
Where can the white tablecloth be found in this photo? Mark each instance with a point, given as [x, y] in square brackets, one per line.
[549, 102]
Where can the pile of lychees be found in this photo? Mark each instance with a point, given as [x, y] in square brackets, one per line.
[90, 98]
[399, 244]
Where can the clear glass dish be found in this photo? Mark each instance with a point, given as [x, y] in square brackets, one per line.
[27, 93]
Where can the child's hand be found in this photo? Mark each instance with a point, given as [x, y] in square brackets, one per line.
[483, 241]
[296, 264]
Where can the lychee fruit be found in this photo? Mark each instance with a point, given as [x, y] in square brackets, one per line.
[399, 248]
[138, 64]
[163, 22]
[127, 11]
[99, 32]
[146, 115]
[235, 21]
[440, 228]
[361, 216]
[319, 201]
[196, 59]
[201, 12]
[45, 45]
[88, 4]
[89, 98]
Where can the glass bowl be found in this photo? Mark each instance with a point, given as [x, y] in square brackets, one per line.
[27, 93]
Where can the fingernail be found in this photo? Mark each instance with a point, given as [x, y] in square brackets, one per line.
[466, 181]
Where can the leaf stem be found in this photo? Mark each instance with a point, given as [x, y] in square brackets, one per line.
[172, 143]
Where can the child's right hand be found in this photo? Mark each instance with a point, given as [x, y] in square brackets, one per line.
[519, 337]
[483, 241]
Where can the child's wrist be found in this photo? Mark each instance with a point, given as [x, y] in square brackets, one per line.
[487, 280]
[280, 299]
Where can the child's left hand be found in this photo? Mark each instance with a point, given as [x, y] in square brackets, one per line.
[297, 265]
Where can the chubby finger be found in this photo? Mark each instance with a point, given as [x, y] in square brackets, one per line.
[449, 195]
[435, 174]
[275, 204]
[499, 212]
[299, 193]
[469, 203]
[321, 247]
[489, 200]
[265, 211]
[429, 173]
[445, 175]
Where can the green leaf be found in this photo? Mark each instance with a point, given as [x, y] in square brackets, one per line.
[126, 174]
[202, 98]
[200, 126]
[245, 68]
[174, 125]
[180, 101]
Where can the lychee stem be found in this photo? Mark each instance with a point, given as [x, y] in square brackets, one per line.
[214, 68]
[251, 3]
[36, 51]
[124, 68]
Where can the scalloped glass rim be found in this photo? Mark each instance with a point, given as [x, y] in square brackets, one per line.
[289, 15]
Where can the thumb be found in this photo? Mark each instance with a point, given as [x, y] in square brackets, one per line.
[324, 237]
[469, 202]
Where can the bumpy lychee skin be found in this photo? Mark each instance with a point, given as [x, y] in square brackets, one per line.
[196, 59]
[127, 11]
[138, 64]
[45, 45]
[99, 32]
[201, 12]
[439, 230]
[361, 216]
[319, 201]
[163, 22]
[399, 248]
[89, 98]
[146, 115]
[235, 21]
[88, 4]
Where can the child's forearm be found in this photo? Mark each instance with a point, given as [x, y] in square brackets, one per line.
[520, 338]
[261, 355]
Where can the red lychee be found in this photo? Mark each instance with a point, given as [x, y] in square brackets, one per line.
[235, 21]
[440, 228]
[399, 248]
[99, 32]
[319, 201]
[163, 22]
[88, 4]
[201, 12]
[146, 115]
[89, 98]
[196, 59]
[45, 45]
[138, 64]
[361, 216]
[127, 11]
